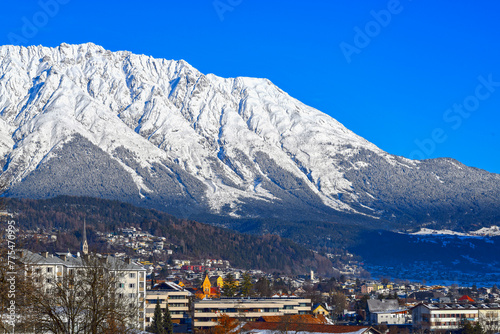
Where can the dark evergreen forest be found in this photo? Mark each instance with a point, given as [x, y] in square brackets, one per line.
[64, 215]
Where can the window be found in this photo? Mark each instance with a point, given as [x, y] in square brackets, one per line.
[49, 269]
[176, 297]
[131, 295]
[121, 285]
[153, 301]
[131, 275]
[270, 310]
[131, 285]
[49, 280]
[141, 284]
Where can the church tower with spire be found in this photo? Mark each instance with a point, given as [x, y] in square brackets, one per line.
[85, 245]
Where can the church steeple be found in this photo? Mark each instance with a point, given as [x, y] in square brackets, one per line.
[85, 245]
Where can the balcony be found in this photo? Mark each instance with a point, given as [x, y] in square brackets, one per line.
[236, 314]
[204, 323]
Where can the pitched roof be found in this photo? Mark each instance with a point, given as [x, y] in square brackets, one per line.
[384, 305]
[466, 298]
[268, 327]
[168, 286]
[76, 261]
[295, 318]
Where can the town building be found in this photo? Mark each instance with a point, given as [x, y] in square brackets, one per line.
[451, 316]
[177, 298]
[47, 269]
[207, 311]
[210, 290]
[386, 312]
[319, 309]
[262, 327]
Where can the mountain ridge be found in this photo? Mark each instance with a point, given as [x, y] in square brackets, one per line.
[79, 119]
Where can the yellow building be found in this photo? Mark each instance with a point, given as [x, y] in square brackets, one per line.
[220, 282]
[206, 286]
[319, 309]
[208, 290]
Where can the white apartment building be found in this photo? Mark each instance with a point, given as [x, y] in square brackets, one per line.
[48, 268]
[450, 316]
[172, 294]
[207, 311]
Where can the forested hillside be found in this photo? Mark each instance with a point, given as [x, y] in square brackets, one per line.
[194, 240]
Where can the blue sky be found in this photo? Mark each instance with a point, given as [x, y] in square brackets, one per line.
[418, 78]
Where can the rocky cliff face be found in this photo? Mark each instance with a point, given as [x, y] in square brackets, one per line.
[81, 120]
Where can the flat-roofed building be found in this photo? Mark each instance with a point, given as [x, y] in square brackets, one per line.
[206, 312]
[172, 294]
[450, 316]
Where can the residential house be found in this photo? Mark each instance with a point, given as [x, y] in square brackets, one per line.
[319, 309]
[367, 288]
[387, 312]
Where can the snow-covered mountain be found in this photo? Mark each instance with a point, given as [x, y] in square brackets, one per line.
[82, 120]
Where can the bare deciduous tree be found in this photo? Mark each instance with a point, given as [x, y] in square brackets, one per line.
[490, 321]
[338, 302]
[87, 299]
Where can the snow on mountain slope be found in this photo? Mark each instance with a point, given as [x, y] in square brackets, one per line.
[160, 133]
